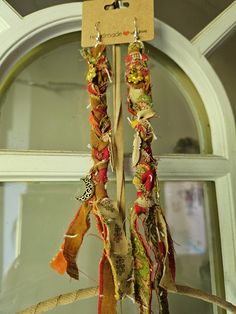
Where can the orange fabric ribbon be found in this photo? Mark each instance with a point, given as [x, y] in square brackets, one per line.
[65, 260]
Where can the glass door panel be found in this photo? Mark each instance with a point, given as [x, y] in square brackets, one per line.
[36, 216]
[46, 106]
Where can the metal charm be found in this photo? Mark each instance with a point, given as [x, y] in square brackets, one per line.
[89, 189]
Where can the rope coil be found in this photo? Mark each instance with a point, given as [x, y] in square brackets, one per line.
[74, 296]
[62, 299]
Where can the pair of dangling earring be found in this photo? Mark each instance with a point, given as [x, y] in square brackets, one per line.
[99, 35]
[139, 96]
[150, 264]
[145, 262]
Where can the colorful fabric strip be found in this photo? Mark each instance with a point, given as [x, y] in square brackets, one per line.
[154, 266]
[116, 265]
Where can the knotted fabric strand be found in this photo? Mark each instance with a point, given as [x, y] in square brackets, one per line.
[154, 265]
[116, 264]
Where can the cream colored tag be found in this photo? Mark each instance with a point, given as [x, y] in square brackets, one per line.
[117, 25]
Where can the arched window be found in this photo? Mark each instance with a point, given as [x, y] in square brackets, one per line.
[44, 151]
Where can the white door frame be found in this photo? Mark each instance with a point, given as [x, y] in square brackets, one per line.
[19, 35]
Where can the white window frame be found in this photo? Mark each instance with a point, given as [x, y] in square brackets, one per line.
[22, 34]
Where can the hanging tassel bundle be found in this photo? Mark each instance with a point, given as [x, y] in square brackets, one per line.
[153, 253]
[116, 265]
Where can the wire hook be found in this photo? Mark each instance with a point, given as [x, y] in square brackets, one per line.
[136, 31]
[117, 4]
[99, 35]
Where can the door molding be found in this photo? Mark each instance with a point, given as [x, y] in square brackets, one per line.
[19, 35]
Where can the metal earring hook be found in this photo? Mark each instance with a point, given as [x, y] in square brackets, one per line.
[136, 31]
[99, 35]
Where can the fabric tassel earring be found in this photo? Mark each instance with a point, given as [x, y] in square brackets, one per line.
[116, 266]
[153, 252]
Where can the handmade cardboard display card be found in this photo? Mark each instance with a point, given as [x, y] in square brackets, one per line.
[117, 25]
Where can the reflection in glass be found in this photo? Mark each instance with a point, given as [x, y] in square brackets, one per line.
[224, 62]
[46, 107]
[186, 210]
[36, 216]
[185, 213]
